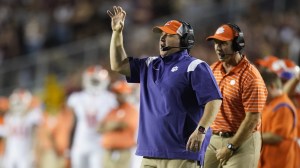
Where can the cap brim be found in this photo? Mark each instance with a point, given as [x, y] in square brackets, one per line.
[261, 62]
[159, 29]
[216, 37]
[266, 62]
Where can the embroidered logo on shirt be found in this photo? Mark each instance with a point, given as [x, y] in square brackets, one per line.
[175, 68]
[232, 82]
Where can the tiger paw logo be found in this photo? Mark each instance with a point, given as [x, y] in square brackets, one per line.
[220, 30]
[175, 68]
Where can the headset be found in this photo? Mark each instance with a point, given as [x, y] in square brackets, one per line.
[187, 39]
[238, 43]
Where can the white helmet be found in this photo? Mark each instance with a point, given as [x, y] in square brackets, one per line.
[20, 101]
[95, 79]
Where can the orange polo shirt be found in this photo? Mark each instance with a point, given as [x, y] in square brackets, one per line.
[279, 119]
[243, 90]
[125, 138]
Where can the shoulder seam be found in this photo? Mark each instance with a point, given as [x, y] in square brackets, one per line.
[192, 66]
[149, 60]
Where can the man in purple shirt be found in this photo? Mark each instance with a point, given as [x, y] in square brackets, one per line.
[179, 95]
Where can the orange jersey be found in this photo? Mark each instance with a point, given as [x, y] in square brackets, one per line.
[1, 138]
[54, 131]
[279, 117]
[243, 90]
[4, 104]
[298, 122]
[298, 137]
[125, 138]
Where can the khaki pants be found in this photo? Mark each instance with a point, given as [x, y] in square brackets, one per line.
[49, 159]
[168, 163]
[117, 158]
[247, 155]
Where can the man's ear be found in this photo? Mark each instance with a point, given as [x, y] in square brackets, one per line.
[272, 86]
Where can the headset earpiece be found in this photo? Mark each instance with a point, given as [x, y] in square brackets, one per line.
[238, 43]
[187, 40]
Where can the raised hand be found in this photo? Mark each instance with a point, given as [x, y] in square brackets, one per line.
[117, 18]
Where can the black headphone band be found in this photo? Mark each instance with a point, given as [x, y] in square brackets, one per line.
[187, 39]
[238, 41]
[235, 27]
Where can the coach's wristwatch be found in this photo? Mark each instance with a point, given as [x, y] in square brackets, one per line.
[201, 130]
[231, 147]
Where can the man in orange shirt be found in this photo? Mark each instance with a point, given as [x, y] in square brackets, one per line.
[289, 74]
[279, 128]
[54, 135]
[4, 106]
[235, 142]
[119, 129]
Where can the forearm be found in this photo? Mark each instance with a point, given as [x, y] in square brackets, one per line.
[118, 58]
[246, 129]
[112, 126]
[270, 138]
[210, 113]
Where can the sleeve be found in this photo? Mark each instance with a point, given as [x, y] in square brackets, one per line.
[134, 70]
[110, 104]
[204, 84]
[254, 95]
[36, 116]
[280, 116]
[71, 100]
[2, 131]
[136, 67]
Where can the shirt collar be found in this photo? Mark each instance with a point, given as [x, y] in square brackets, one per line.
[240, 66]
[175, 56]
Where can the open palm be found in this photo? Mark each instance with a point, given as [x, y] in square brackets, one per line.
[117, 18]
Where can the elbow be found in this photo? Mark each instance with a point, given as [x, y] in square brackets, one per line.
[115, 69]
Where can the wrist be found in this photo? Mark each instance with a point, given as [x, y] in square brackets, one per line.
[231, 147]
[201, 130]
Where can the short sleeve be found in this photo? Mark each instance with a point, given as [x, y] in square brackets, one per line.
[71, 100]
[254, 95]
[204, 84]
[36, 116]
[135, 68]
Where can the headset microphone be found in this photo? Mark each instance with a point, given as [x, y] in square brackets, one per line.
[223, 55]
[169, 48]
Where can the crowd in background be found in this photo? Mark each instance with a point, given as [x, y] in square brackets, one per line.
[29, 26]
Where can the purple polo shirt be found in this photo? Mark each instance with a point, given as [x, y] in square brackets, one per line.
[174, 91]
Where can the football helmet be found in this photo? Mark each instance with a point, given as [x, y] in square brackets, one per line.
[20, 101]
[95, 79]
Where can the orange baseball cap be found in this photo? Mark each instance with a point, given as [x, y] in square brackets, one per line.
[171, 27]
[267, 62]
[121, 87]
[284, 68]
[223, 33]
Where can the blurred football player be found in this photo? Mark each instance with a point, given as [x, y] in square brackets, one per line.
[20, 122]
[90, 106]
